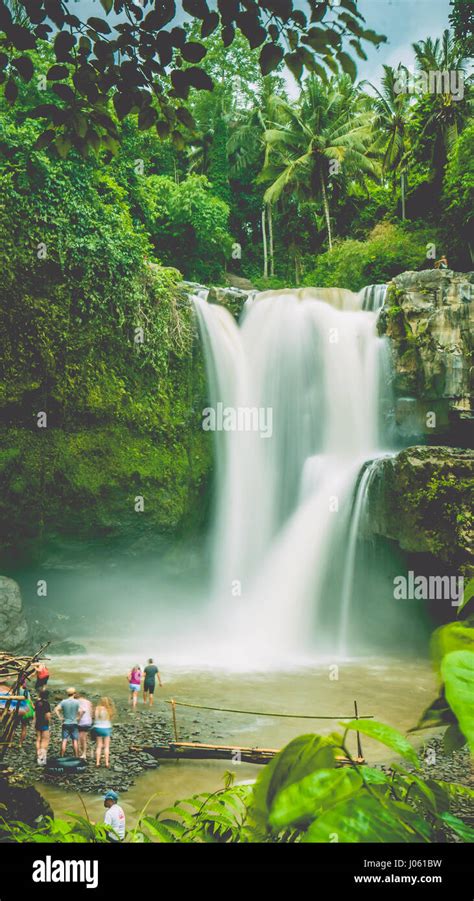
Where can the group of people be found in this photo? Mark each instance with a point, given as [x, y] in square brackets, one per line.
[76, 711]
[78, 717]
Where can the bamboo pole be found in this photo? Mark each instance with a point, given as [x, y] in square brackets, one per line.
[175, 725]
[359, 745]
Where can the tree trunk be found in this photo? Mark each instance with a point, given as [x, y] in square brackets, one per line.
[270, 239]
[402, 185]
[265, 252]
[326, 211]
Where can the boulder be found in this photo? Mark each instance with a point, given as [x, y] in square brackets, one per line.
[423, 498]
[13, 625]
[231, 298]
[429, 317]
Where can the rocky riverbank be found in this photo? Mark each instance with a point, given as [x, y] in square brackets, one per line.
[132, 729]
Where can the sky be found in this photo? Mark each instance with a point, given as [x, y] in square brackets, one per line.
[402, 21]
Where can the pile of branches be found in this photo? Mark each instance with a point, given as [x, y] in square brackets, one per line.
[18, 668]
[14, 671]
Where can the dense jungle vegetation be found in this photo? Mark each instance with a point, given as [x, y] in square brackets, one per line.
[332, 182]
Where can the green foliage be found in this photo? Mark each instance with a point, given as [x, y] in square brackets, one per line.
[302, 796]
[458, 195]
[457, 672]
[389, 250]
[99, 336]
[159, 63]
[188, 222]
[49, 830]
[452, 650]
[387, 736]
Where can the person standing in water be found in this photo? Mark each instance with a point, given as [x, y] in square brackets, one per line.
[42, 726]
[103, 716]
[151, 674]
[85, 723]
[114, 817]
[134, 682]
[69, 710]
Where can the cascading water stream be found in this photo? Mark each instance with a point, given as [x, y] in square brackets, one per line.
[306, 374]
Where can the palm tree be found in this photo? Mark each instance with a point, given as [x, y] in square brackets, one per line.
[392, 109]
[441, 115]
[327, 126]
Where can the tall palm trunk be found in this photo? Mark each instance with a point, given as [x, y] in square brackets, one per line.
[265, 250]
[270, 239]
[403, 187]
[326, 210]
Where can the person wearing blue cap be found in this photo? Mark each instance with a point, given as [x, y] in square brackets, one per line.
[114, 816]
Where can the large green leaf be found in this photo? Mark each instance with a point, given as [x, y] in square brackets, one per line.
[468, 594]
[465, 832]
[363, 818]
[387, 736]
[457, 636]
[457, 672]
[311, 795]
[298, 759]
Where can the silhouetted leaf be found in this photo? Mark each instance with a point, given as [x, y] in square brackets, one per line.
[57, 72]
[64, 92]
[123, 103]
[193, 52]
[162, 129]
[197, 8]
[107, 5]
[348, 65]
[21, 37]
[44, 139]
[199, 79]
[24, 66]
[146, 118]
[294, 61]
[270, 58]
[164, 12]
[64, 42]
[209, 24]
[228, 34]
[185, 117]
[11, 90]
[99, 25]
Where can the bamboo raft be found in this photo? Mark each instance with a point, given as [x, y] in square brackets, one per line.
[187, 750]
[193, 750]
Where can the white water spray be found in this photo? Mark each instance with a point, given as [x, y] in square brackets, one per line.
[285, 518]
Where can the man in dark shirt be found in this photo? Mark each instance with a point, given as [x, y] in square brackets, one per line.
[151, 673]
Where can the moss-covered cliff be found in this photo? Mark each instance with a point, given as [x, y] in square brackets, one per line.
[429, 318]
[423, 498]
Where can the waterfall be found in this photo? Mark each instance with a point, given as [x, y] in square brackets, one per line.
[297, 387]
[373, 297]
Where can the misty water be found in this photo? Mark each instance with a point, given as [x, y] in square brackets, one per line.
[290, 582]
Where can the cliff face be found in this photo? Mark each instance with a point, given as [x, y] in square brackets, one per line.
[13, 625]
[423, 498]
[429, 317]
